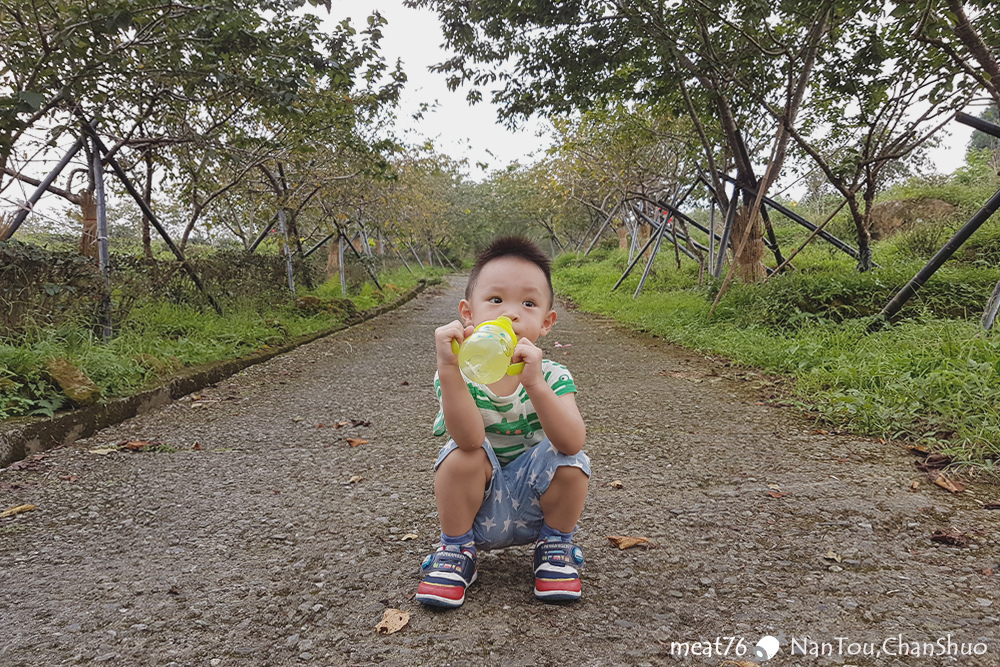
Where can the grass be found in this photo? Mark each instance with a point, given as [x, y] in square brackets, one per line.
[933, 377]
[158, 338]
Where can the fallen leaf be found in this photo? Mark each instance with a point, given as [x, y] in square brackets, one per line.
[405, 383]
[919, 450]
[625, 541]
[774, 486]
[196, 447]
[68, 478]
[617, 484]
[830, 555]
[988, 571]
[820, 431]
[354, 442]
[340, 424]
[409, 536]
[991, 506]
[135, 445]
[103, 450]
[360, 422]
[354, 480]
[914, 485]
[298, 419]
[13, 511]
[33, 462]
[952, 539]
[948, 484]
[393, 620]
[777, 494]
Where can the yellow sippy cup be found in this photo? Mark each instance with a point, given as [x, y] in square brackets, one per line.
[484, 357]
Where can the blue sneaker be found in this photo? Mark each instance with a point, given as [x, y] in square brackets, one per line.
[556, 576]
[447, 573]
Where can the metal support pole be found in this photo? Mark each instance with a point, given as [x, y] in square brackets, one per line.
[318, 245]
[43, 186]
[727, 230]
[340, 251]
[652, 256]
[102, 243]
[421, 264]
[628, 270]
[711, 234]
[263, 234]
[826, 236]
[992, 306]
[123, 177]
[949, 248]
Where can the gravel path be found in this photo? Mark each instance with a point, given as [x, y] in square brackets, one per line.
[261, 537]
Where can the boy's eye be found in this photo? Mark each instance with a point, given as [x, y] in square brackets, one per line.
[529, 303]
[495, 299]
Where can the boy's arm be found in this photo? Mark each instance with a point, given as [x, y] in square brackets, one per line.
[461, 416]
[560, 418]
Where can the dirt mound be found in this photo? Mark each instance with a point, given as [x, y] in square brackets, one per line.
[892, 217]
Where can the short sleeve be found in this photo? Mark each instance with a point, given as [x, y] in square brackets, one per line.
[558, 377]
[439, 425]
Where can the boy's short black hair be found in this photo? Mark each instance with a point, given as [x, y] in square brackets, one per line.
[511, 246]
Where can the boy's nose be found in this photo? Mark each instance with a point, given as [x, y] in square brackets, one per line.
[511, 316]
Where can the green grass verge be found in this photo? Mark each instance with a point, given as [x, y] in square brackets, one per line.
[159, 338]
[930, 378]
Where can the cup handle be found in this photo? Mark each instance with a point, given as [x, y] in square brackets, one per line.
[454, 346]
[515, 369]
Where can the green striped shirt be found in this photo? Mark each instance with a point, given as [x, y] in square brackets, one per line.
[512, 425]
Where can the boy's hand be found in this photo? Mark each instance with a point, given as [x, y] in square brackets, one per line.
[443, 336]
[531, 355]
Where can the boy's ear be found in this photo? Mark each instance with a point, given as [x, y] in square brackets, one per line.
[465, 311]
[547, 323]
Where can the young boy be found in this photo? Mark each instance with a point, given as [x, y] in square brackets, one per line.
[513, 471]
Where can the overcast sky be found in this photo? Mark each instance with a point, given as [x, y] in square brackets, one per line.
[473, 132]
[457, 129]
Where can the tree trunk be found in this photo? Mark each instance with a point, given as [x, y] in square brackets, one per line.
[862, 228]
[88, 239]
[622, 232]
[749, 266]
[333, 259]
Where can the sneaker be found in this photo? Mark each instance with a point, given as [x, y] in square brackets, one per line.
[447, 573]
[556, 577]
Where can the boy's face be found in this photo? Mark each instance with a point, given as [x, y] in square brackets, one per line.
[513, 287]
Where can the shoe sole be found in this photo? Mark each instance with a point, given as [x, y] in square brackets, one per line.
[438, 601]
[558, 596]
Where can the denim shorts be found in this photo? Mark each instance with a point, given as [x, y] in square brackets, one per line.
[511, 512]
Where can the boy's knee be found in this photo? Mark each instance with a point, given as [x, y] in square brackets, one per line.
[571, 475]
[460, 462]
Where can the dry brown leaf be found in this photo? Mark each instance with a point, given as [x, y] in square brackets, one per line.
[988, 571]
[13, 511]
[393, 620]
[409, 536]
[914, 485]
[355, 479]
[777, 494]
[820, 431]
[948, 484]
[135, 445]
[991, 506]
[951, 539]
[196, 447]
[103, 450]
[354, 442]
[617, 484]
[68, 478]
[340, 424]
[625, 541]
[831, 555]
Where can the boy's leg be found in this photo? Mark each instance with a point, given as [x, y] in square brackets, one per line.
[460, 482]
[459, 486]
[562, 503]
